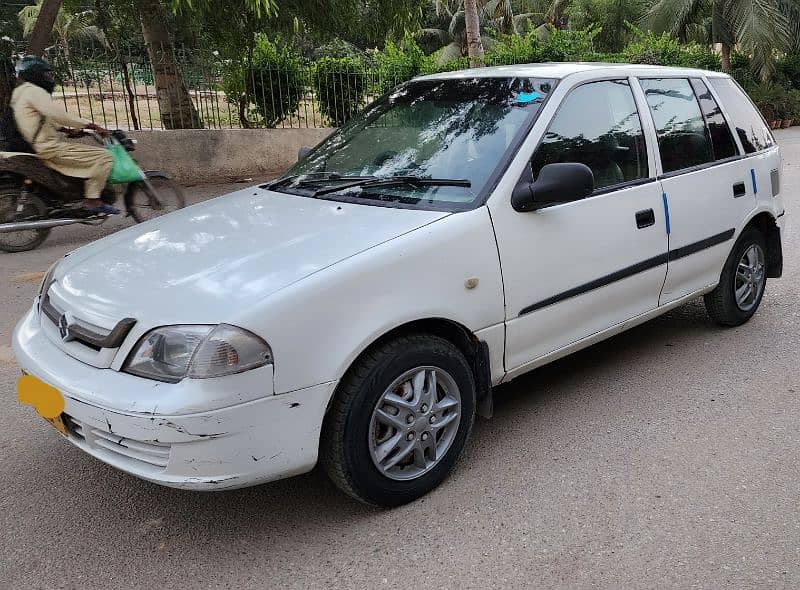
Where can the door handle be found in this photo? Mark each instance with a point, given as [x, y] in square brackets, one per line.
[739, 190]
[645, 218]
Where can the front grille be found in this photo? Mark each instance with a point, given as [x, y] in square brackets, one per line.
[83, 334]
[152, 453]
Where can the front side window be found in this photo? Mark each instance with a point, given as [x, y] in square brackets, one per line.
[682, 135]
[750, 127]
[721, 138]
[406, 146]
[597, 125]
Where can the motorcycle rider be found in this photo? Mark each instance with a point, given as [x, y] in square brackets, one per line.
[40, 120]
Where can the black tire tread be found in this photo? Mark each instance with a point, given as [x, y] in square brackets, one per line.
[720, 303]
[176, 189]
[332, 438]
[41, 234]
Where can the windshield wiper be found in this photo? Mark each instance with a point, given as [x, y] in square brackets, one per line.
[315, 177]
[374, 182]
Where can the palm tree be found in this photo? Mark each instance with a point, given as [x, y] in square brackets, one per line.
[759, 27]
[450, 36]
[67, 28]
[472, 28]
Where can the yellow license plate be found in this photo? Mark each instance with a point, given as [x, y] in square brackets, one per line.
[46, 400]
[59, 424]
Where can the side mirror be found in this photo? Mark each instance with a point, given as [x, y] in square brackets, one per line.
[557, 183]
[303, 152]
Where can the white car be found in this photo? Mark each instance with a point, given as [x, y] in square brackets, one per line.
[465, 229]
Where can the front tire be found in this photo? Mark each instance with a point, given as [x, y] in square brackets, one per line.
[399, 421]
[742, 283]
[155, 197]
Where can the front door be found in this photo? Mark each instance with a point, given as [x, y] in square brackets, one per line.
[574, 269]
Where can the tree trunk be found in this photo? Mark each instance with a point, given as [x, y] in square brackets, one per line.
[126, 78]
[43, 27]
[6, 80]
[725, 57]
[473, 26]
[174, 102]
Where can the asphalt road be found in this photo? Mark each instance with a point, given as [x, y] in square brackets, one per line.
[664, 457]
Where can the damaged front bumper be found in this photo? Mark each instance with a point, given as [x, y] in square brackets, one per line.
[261, 440]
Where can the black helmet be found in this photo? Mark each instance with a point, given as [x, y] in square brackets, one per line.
[36, 70]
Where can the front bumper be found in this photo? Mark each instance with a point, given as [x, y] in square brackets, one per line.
[262, 440]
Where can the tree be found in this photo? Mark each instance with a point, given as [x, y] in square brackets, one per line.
[43, 27]
[236, 38]
[610, 15]
[6, 73]
[448, 32]
[67, 27]
[174, 103]
[473, 30]
[758, 27]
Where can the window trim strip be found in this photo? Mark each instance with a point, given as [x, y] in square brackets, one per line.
[632, 270]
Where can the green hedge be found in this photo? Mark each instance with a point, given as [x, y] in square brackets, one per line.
[342, 84]
[276, 81]
[340, 87]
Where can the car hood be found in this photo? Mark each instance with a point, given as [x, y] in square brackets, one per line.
[210, 261]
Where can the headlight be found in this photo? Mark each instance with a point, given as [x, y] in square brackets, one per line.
[171, 353]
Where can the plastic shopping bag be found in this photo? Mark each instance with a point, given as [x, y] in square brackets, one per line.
[124, 169]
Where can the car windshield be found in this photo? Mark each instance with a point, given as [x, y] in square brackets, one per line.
[452, 134]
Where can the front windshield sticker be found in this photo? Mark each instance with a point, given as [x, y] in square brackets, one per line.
[524, 97]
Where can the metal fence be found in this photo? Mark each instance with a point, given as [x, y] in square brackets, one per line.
[123, 91]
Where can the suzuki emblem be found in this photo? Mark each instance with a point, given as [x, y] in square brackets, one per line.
[63, 327]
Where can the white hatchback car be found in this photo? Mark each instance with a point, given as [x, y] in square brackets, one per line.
[466, 228]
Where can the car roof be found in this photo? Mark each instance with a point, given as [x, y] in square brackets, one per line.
[564, 69]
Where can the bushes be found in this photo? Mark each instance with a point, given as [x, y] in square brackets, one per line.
[664, 50]
[652, 49]
[534, 47]
[275, 82]
[398, 63]
[272, 89]
[340, 87]
[566, 45]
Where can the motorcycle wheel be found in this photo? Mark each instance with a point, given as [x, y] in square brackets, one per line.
[23, 240]
[166, 196]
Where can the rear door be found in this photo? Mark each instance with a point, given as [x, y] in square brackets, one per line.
[707, 186]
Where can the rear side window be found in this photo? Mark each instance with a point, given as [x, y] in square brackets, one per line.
[722, 142]
[597, 125]
[682, 137]
[750, 127]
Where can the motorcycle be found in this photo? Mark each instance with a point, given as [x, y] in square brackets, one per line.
[34, 199]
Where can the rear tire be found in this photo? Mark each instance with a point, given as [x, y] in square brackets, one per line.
[20, 241]
[742, 282]
[384, 441]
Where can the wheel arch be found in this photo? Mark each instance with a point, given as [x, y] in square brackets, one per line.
[475, 351]
[766, 223]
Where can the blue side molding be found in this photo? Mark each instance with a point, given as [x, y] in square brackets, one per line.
[753, 176]
[666, 209]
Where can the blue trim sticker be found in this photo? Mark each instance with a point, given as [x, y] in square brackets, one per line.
[666, 210]
[525, 97]
[753, 176]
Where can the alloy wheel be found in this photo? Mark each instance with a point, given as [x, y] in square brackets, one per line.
[750, 278]
[414, 423]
